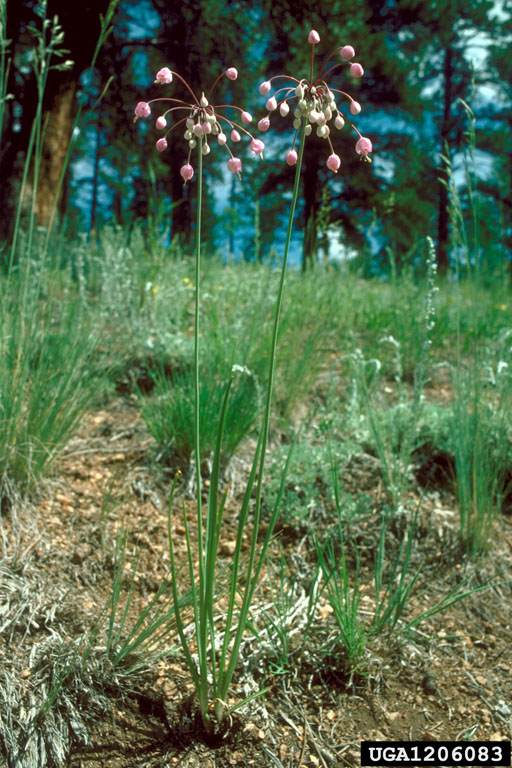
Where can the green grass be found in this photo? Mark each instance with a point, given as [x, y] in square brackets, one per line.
[47, 343]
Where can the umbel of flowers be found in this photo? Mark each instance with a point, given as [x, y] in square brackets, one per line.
[316, 102]
[200, 121]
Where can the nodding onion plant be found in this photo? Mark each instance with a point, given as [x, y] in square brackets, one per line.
[211, 650]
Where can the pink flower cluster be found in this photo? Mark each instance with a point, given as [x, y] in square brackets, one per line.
[314, 103]
[202, 122]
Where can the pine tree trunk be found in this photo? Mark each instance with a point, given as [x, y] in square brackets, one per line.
[59, 123]
[311, 205]
[443, 219]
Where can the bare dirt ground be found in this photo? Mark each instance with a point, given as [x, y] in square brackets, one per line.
[451, 680]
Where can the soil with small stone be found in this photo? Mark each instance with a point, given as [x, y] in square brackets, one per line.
[449, 680]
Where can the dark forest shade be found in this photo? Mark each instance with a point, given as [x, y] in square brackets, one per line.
[416, 56]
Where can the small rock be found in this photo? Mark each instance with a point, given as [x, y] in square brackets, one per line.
[228, 547]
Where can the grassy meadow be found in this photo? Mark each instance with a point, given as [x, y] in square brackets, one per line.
[392, 545]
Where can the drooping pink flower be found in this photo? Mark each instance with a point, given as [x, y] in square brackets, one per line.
[347, 52]
[201, 120]
[186, 172]
[235, 165]
[313, 101]
[364, 147]
[333, 162]
[356, 70]
[164, 76]
[142, 109]
[257, 146]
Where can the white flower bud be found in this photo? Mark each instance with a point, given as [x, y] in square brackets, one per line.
[321, 131]
[296, 123]
[203, 102]
[307, 130]
[284, 109]
[299, 91]
[192, 143]
[297, 112]
[339, 122]
[190, 122]
[215, 129]
[302, 104]
[188, 135]
[205, 149]
[327, 113]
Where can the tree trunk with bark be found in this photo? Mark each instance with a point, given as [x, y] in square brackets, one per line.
[443, 219]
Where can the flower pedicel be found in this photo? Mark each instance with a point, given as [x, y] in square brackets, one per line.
[315, 102]
[201, 120]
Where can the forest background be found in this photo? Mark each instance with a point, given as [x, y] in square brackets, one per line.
[436, 74]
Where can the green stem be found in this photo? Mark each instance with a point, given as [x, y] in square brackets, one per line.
[279, 301]
[252, 572]
[202, 634]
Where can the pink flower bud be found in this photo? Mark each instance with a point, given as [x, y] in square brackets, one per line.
[161, 122]
[164, 76]
[347, 52]
[235, 165]
[264, 124]
[232, 73]
[222, 138]
[339, 122]
[257, 146]
[355, 107]
[206, 127]
[356, 70]
[313, 37]
[235, 136]
[291, 157]
[161, 144]
[265, 87]
[333, 163]
[246, 118]
[364, 146]
[186, 172]
[142, 109]
[198, 129]
[271, 104]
